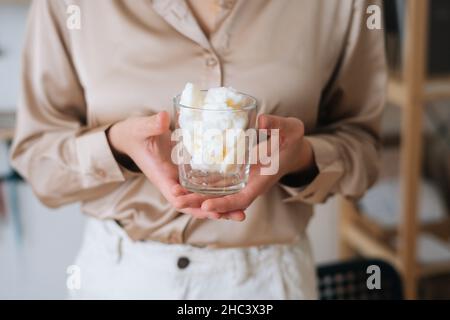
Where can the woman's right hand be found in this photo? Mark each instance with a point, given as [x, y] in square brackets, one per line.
[147, 141]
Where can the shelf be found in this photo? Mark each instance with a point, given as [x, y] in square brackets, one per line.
[368, 238]
[440, 229]
[437, 88]
[366, 245]
[6, 134]
[7, 120]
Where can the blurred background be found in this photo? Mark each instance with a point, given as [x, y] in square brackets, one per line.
[404, 220]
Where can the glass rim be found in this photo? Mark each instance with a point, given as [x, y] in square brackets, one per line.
[251, 106]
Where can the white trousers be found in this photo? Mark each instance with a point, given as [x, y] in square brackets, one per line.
[112, 266]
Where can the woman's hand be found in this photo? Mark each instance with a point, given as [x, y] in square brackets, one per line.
[295, 156]
[147, 141]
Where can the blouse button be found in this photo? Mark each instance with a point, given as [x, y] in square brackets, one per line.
[101, 173]
[211, 62]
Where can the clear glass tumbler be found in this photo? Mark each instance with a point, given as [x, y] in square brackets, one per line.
[214, 146]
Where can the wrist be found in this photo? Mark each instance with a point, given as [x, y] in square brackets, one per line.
[304, 171]
[305, 161]
[114, 137]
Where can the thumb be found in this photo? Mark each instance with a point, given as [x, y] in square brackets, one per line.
[154, 125]
[268, 122]
[284, 124]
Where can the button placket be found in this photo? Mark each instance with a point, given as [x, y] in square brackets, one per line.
[213, 71]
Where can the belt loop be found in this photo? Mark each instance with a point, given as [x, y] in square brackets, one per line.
[242, 265]
[119, 249]
[115, 244]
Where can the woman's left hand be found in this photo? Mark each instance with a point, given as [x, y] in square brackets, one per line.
[295, 156]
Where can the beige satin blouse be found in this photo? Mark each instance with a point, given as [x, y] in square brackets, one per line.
[315, 60]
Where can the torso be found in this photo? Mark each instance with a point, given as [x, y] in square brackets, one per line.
[285, 63]
[134, 57]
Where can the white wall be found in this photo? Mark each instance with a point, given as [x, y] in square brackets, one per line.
[12, 28]
[36, 266]
[323, 232]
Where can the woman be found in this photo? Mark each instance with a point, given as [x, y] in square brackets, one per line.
[93, 127]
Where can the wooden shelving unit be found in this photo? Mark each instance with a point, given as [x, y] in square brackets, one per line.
[410, 91]
[6, 127]
[6, 134]
[435, 89]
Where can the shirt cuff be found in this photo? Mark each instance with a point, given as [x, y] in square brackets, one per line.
[96, 160]
[330, 167]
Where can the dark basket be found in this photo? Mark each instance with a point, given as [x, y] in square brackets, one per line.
[348, 281]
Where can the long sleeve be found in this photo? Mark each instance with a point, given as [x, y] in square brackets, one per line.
[346, 140]
[54, 150]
